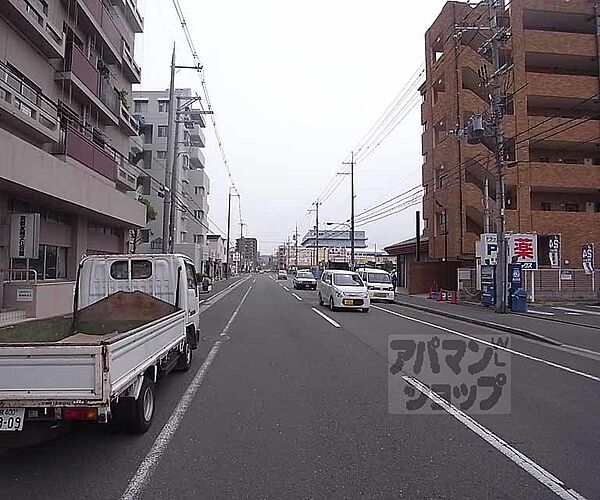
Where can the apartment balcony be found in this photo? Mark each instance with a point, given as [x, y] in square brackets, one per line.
[131, 69]
[129, 8]
[562, 131]
[29, 16]
[127, 174]
[556, 42]
[89, 85]
[137, 143]
[197, 159]
[566, 176]
[127, 123]
[555, 222]
[25, 109]
[95, 17]
[561, 86]
[89, 149]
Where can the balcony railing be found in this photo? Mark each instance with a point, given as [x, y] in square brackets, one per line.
[30, 102]
[135, 72]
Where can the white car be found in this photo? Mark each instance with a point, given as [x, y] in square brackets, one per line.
[344, 290]
[379, 284]
[282, 274]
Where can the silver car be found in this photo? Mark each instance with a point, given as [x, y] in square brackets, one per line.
[343, 290]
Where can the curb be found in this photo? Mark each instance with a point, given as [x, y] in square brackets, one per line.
[487, 324]
[556, 320]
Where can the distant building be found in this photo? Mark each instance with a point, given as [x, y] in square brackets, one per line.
[248, 248]
[214, 255]
[191, 220]
[335, 239]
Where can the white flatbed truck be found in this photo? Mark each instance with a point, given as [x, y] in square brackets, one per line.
[135, 319]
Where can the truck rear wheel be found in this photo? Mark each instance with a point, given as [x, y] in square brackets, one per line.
[144, 407]
[185, 358]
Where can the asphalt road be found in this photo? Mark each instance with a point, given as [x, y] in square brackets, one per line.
[293, 404]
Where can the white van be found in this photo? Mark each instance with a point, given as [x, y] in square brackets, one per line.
[379, 284]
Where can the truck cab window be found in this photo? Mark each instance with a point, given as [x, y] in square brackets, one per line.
[141, 269]
[191, 277]
[119, 270]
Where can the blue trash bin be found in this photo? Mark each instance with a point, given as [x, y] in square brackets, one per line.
[519, 301]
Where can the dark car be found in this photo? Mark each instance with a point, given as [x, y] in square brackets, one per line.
[306, 280]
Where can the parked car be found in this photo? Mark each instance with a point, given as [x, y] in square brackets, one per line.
[343, 289]
[379, 283]
[305, 279]
[282, 274]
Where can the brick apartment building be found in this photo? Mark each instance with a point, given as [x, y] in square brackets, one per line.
[66, 126]
[248, 248]
[552, 128]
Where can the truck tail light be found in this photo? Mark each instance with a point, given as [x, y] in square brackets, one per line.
[80, 414]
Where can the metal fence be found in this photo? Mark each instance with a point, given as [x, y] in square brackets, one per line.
[561, 284]
[469, 289]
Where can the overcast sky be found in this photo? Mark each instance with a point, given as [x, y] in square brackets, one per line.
[295, 86]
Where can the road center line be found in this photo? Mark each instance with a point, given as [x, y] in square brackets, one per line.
[543, 313]
[299, 298]
[327, 318]
[144, 472]
[485, 342]
[528, 465]
[286, 288]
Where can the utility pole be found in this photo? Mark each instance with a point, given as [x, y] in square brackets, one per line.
[316, 204]
[296, 243]
[174, 181]
[351, 163]
[418, 236]
[496, 9]
[227, 269]
[486, 209]
[169, 166]
[242, 248]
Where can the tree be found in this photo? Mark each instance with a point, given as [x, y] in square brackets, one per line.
[150, 216]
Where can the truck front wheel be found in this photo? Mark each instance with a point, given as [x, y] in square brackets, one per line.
[144, 407]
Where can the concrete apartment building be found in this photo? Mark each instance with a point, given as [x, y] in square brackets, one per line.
[66, 70]
[552, 129]
[191, 221]
[248, 249]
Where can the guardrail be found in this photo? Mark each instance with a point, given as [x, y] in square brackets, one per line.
[11, 275]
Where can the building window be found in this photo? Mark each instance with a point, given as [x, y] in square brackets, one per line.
[147, 159]
[51, 263]
[144, 235]
[425, 223]
[197, 238]
[443, 179]
[163, 106]
[185, 161]
[161, 155]
[182, 237]
[186, 137]
[199, 214]
[147, 131]
[198, 190]
[571, 207]
[162, 131]
[140, 107]
[546, 207]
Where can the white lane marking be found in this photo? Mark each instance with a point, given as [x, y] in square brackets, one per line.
[254, 280]
[573, 314]
[299, 298]
[595, 307]
[286, 288]
[327, 318]
[543, 313]
[495, 346]
[570, 309]
[528, 465]
[219, 295]
[144, 472]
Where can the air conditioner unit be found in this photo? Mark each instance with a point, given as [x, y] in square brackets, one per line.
[588, 161]
[590, 206]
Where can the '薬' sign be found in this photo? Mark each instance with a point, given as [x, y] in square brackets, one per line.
[522, 249]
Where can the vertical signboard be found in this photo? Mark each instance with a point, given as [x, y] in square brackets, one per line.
[554, 250]
[24, 236]
[587, 258]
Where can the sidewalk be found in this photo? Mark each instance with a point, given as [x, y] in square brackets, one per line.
[550, 331]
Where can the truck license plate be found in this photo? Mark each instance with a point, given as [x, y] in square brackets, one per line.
[11, 419]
